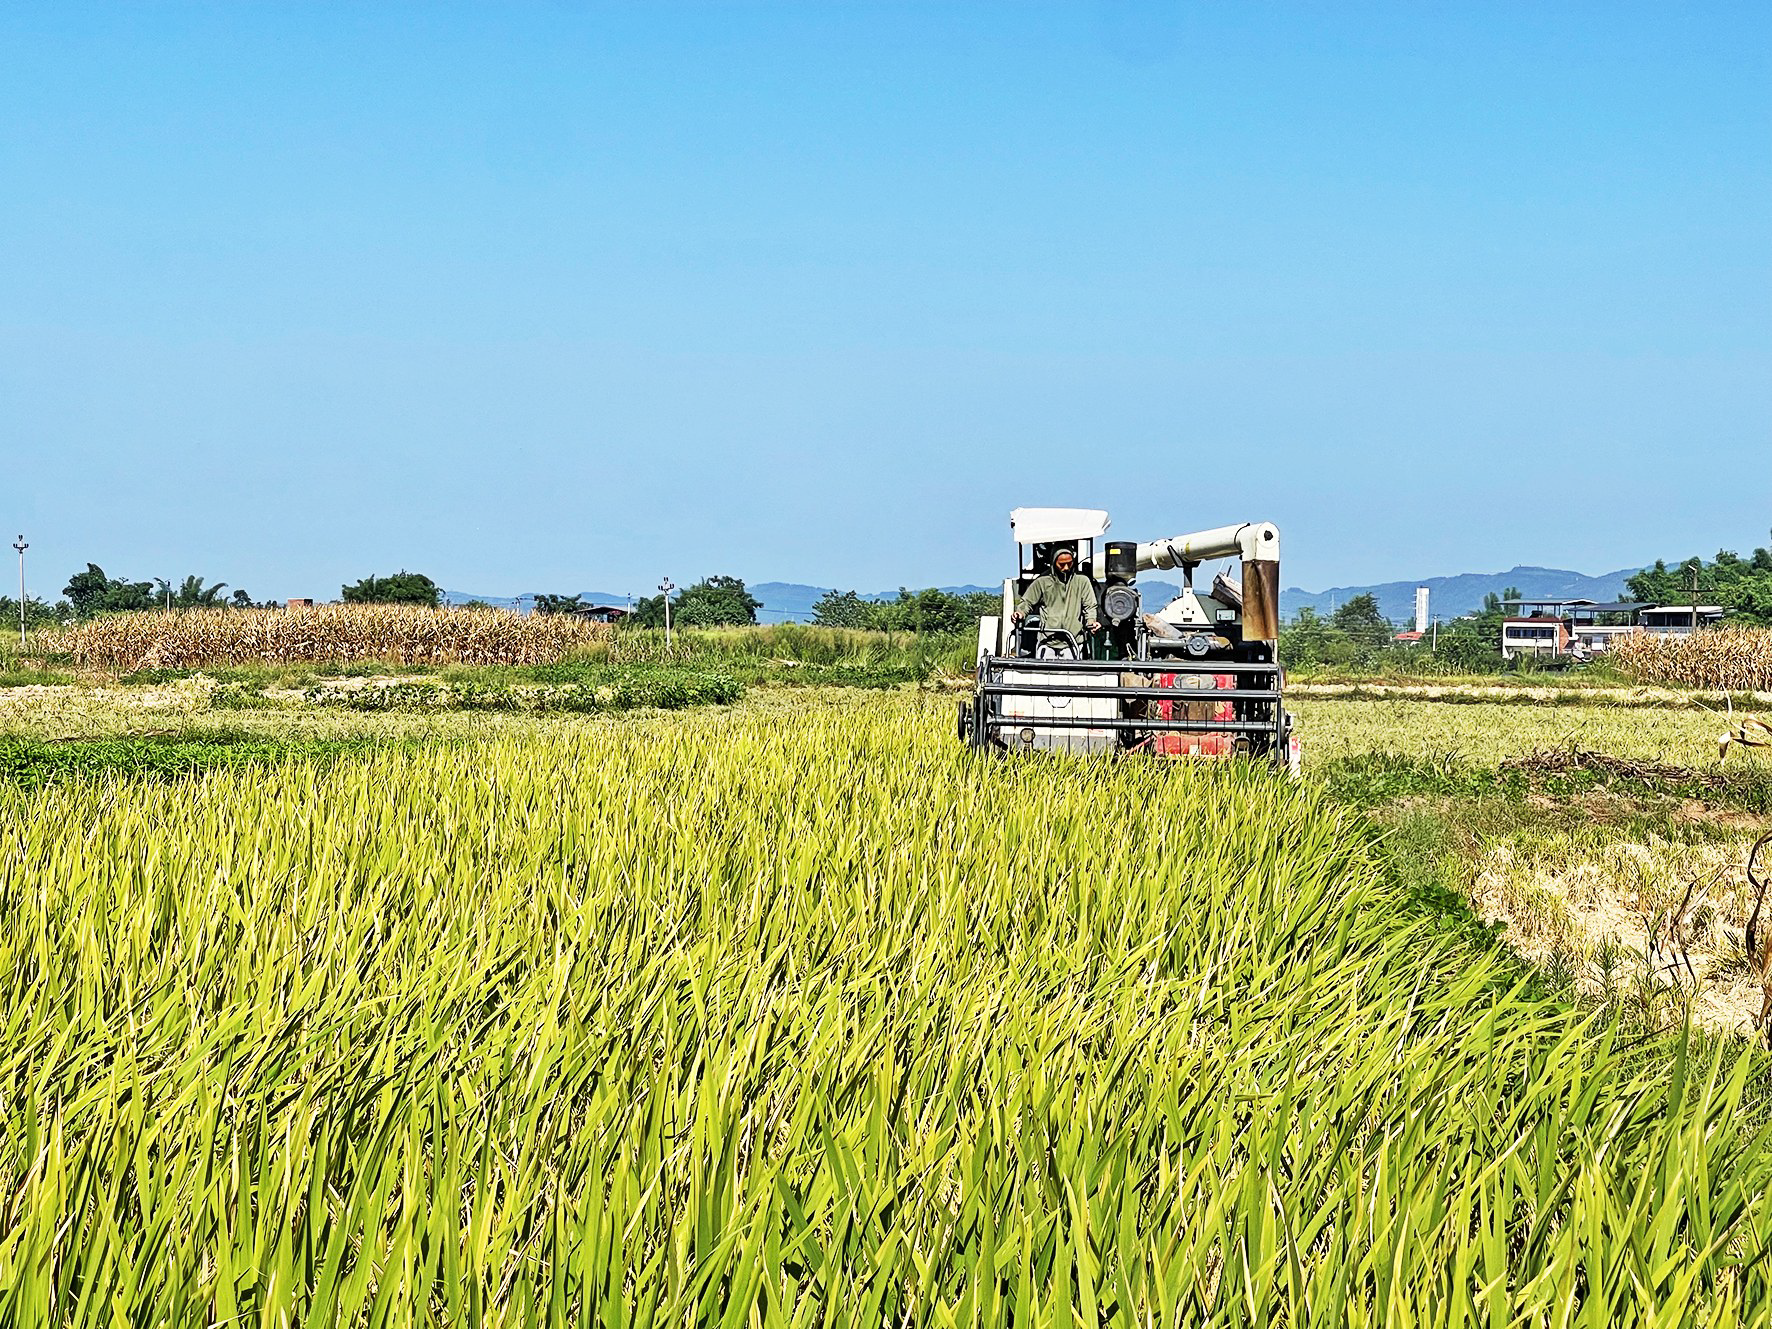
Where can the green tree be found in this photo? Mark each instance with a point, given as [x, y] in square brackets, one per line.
[1741, 585]
[841, 609]
[933, 611]
[92, 592]
[1360, 614]
[1496, 608]
[649, 612]
[557, 604]
[716, 602]
[1306, 639]
[403, 588]
[1467, 643]
[1360, 621]
[38, 614]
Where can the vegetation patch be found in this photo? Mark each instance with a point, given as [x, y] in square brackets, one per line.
[583, 690]
[31, 678]
[1751, 788]
[773, 652]
[852, 675]
[31, 763]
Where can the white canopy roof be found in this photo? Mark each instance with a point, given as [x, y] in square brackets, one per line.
[1037, 526]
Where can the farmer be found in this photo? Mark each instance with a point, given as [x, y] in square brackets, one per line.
[1066, 601]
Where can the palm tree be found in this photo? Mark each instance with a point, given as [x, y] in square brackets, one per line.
[191, 593]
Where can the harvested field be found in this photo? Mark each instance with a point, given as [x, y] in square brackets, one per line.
[1656, 922]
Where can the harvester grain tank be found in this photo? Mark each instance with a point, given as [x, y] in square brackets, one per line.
[1198, 676]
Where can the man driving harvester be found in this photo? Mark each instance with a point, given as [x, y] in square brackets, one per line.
[1066, 603]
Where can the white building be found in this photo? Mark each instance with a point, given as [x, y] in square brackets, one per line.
[1677, 620]
[1582, 627]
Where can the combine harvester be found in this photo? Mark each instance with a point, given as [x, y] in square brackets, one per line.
[1198, 677]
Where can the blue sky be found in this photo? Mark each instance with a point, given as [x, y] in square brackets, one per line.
[550, 295]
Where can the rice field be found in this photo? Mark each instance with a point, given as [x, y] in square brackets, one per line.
[1488, 732]
[797, 1014]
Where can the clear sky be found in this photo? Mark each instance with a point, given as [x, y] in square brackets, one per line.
[550, 295]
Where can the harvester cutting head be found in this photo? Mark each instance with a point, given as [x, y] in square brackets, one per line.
[1076, 661]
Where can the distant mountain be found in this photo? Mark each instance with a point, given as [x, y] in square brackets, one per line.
[783, 601]
[1448, 597]
[528, 598]
[790, 601]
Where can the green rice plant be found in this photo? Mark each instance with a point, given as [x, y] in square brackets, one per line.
[780, 1017]
[17, 675]
[27, 763]
[608, 688]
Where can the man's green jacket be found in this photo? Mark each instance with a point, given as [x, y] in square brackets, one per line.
[1065, 603]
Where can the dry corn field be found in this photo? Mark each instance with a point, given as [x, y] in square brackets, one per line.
[804, 1016]
[1732, 659]
[400, 634]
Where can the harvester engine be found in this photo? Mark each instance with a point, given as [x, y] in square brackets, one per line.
[1197, 677]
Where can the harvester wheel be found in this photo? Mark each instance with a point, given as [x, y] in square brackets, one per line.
[963, 725]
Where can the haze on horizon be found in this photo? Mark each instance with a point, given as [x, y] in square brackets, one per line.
[570, 295]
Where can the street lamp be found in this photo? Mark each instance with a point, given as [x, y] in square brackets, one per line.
[21, 546]
[667, 587]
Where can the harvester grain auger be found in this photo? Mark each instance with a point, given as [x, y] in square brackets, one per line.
[1198, 676]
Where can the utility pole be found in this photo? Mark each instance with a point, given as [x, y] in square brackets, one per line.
[1694, 599]
[667, 588]
[21, 546]
[1435, 648]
